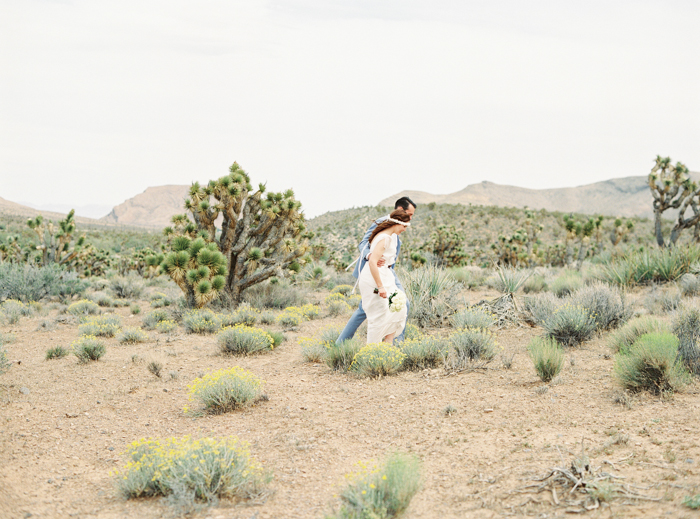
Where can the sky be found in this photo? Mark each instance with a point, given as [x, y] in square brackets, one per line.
[345, 101]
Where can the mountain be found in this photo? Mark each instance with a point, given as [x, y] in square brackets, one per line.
[152, 208]
[629, 196]
[15, 209]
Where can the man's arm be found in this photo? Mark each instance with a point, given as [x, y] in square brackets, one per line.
[364, 244]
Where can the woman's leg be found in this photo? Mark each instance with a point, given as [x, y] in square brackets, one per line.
[389, 338]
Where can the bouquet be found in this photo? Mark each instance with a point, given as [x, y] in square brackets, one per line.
[397, 301]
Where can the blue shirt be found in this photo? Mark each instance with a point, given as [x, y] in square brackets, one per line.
[364, 247]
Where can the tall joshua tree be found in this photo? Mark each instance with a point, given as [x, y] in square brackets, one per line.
[261, 235]
[672, 189]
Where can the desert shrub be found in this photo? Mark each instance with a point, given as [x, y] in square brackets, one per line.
[132, 335]
[279, 294]
[205, 469]
[570, 325]
[126, 287]
[424, 352]
[652, 364]
[107, 325]
[547, 357]
[540, 307]
[277, 338]
[657, 265]
[30, 283]
[433, 293]
[12, 310]
[7, 338]
[225, 390]
[535, 283]
[470, 277]
[662, 301]
[620, 340]
[87, 348]
[267, 317]
[159, 300]
[354, 300]
[606, 304]
[692, 502]
[166, 326]
[567, 283]
[382, 491]
[509, 280]
[4, 362]
[310, 311]
[312, 349]
[102, 299]
[201, 321]
[57, 352]
[155, 368]
[152, 318]
[339, 357]
[83, 307]
[473, 344]
[293, 316]
[336, 308]
[686, 326]
[334, 296]
[376, 360]
[473, 317]
[689, 285]
[412, 332]
[246, 314]
[342, 289]
[330, 333]
[244, 340]
[135, 309]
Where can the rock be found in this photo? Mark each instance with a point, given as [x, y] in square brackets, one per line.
[24, 390]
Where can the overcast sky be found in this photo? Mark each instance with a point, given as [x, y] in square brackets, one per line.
[345, 101]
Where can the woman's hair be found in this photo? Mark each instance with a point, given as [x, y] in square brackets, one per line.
[397, 214]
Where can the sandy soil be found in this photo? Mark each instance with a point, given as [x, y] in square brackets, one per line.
[63, 427]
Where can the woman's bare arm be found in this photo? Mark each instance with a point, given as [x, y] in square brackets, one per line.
[377, 253]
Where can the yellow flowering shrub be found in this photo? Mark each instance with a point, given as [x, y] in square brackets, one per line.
[375, 360]
[312, 349]
[225, 390]
[333, 297]
[87, 348]
[309, 311]
[132, 335]
[290, 317]
[101, 325]
[244, 340]
[342, 289]
[84, 307]
[166, 326]
[207, 469]
[201, 321]
[380, 490]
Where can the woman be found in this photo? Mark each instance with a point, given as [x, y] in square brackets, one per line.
[377, 284]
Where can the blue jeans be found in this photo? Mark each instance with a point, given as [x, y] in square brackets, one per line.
[359, 317]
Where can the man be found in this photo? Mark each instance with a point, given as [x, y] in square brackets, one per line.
[359, 316]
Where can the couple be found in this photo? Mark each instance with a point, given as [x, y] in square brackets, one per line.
[377, 280]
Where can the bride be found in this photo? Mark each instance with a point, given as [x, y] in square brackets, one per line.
[378, 285]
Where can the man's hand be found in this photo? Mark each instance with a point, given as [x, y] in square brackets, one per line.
[381, 261]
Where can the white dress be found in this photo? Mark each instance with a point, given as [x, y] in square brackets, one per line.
[380, 320]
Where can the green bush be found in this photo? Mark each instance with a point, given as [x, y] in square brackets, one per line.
[622, 339]
[167, 326]
[275, 295]
[473, 344]
[424, 352]
[567, 283]
[152, 318]
[652, 364]
[535, 283]
[29, 283]
[206, 469]
[244, 340]
[547, 357]
[277, 338]
[570, 325]
[4, 363]
[201, 321]
[102, 299]
[87, 348]
[686, 326]
[473, 317]
[692, 502]
[433, 293]
[107, 325]
[336, 308]
[12, 310]
[58, 352]
[135, 309]
[225, 390]
[160, 300]
[83, 307]
[132, 335]
[376, 360]
[540, 307]
[339, 357]
[312, 350]
[657, 265]
[509, 280]
[126, 287]
[267, 317]
[606, 305]
[383, 491]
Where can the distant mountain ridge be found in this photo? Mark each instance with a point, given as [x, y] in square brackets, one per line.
[629, 196]
[152, 208]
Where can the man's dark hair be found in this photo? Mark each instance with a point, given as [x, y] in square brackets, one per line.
[404, 202]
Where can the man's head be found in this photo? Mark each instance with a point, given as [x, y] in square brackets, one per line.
[406, 204]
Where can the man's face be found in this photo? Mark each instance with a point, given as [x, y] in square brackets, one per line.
[410, 211]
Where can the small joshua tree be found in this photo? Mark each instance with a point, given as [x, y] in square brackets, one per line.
[620, 230]
[447, 244]
[261, 236]
[672, 189]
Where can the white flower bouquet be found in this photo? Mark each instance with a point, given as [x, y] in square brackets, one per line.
[397, 301]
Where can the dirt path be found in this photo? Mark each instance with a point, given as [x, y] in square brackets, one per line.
[63, 427]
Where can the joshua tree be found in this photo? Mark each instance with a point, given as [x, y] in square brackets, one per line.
[447, 244]
[620, 230]
[11, 251]
[260, 237]
[672, 189]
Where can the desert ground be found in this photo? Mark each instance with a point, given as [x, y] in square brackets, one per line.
[64, 428]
